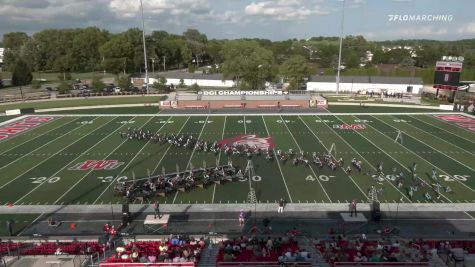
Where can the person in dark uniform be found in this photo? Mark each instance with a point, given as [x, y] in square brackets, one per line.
[156, 210]
[353, 208]
[10, 224]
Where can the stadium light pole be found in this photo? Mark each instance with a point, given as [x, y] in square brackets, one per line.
[339, 53]
[144, 47]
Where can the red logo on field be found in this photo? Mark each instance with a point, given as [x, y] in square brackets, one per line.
[251, 140]
[97, 165]
[349, 126]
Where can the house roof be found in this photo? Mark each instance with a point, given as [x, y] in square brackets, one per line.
[367, 79]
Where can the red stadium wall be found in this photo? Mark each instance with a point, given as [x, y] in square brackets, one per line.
[219, 104]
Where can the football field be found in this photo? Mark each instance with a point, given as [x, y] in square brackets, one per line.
[74, 159]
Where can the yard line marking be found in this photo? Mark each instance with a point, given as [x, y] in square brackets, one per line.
[166, 151]
[419, 140]
[367, 161]
[453, 133]
[128, 164]
[402, 165]
[45, 133]
[245, 132]
[445, 141]
[219, 157]
[66, 165]
[341, 167]
[28, 226]
[278, 163]
[192, 153]
[316, 176]
[39, 163]
[442, 171]
[30, 152]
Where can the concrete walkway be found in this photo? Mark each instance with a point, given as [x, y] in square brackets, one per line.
[212, 208]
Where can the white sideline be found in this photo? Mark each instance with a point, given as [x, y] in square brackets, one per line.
[261, 207]
[12, 120]
[98, 106]
[260, 114]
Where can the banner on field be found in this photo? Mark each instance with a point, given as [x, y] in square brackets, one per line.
[446, 107]
[168, 104]
[12, 112]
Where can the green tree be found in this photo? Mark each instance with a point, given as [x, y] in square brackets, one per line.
[161, 85]
[123, 81]
[214, 50]
[35, 84]
[248, 63]
[182, 84]
[21, 74]
[294, 70]
[352, 60]
[118, 55]
[13, 43]
[195, 87]
[97, 84]
[85, 48]
[66, 76]
[64, 87]
[197, 43]
[191, 68]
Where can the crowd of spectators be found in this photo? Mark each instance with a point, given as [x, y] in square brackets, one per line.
[254, 249]
[341, 249]
[173, 249]
[50, 248]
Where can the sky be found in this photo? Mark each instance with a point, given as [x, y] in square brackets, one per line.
[270, 19]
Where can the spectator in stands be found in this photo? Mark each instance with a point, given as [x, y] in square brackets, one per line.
[152, 258]
[395, 244]
[228, 257]
[269, 244]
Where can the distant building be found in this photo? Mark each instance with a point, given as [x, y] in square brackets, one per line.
[376, 84]
[2, 50]
[412, 50]
[203, 80]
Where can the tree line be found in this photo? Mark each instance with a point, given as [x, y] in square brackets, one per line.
[250, 62]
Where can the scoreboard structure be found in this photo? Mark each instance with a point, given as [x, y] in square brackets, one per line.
[447, 75]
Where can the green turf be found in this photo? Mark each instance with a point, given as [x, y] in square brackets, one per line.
[371, 109]
[35, 166]
[60, 103]
[124, 110]
[5, 118]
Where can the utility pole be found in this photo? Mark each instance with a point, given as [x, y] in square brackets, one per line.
[144, 47]
[164, 63]
[339, 53]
